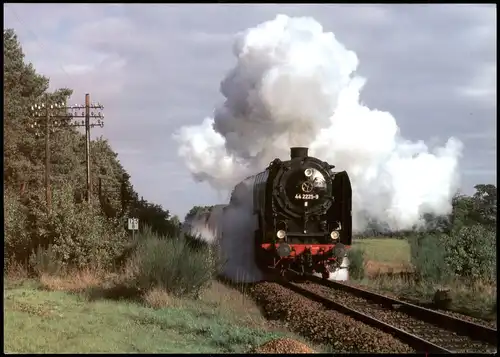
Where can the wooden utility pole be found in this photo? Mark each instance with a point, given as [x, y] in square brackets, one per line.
[47, 112]
[88, 115]
[48, 195]
[87, 146]
[59, 115]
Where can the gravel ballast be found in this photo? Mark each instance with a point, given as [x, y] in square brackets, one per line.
[404, 321]
[314, 322]
[283, 345]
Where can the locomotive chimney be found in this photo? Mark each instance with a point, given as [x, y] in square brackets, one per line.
[298, 152]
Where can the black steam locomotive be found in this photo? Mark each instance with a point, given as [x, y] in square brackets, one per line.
[304, 215]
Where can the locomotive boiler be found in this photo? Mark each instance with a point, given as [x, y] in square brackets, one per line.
[303, 208]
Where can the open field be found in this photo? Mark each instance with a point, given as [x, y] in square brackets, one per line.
[57, 316]
[386, 259]
[385, 250]
[384, 255]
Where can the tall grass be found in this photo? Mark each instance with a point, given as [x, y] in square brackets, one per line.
[428, 256]
[356, 258]
[171, 264]
[462, 263]
[44, 261]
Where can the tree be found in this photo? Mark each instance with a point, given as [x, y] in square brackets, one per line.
[22, 86]
[155, 217]
[464, 244]
[196, 210]
[73, 230]
[485, 202]
[480, 208]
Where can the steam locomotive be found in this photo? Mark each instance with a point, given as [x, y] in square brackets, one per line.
[303, 209]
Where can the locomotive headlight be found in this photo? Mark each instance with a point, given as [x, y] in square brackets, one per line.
[334, 235]
[281, 234]
[308, 172]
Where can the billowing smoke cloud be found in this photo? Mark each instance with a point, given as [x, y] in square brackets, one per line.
[206, 225]
[295, 85]
[230, 230]
[237, 243]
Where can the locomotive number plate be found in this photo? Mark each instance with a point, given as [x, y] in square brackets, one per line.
[306, 196]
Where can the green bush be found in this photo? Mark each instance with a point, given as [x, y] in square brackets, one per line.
[171, 264]
[428, 254]
[467, 252]
[471, 252]
[356, 258]
[79, 235]
[17, 239]
[76, 234]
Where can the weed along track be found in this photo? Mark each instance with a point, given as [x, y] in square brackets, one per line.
[423, 329]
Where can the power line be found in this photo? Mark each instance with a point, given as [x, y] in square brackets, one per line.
[59, 115]
[43, 110]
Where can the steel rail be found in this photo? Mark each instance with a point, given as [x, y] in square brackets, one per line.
[419, 344]
[470, 329]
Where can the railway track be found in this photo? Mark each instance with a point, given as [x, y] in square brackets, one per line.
[423, 329]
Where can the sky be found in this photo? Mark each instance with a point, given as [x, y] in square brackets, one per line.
[157, 67]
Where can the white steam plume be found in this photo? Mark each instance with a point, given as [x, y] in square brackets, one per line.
[295, 85]
[237, 243]
[205, 225]
[230, 230]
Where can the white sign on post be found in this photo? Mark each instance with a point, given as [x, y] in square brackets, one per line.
[133, 224]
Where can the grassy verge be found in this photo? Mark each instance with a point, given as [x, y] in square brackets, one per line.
[57, 322]
[164, 300]
[387, 268]
[475, 299]
[59, 315]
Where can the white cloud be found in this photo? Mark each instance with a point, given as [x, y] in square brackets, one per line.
[156, 67]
